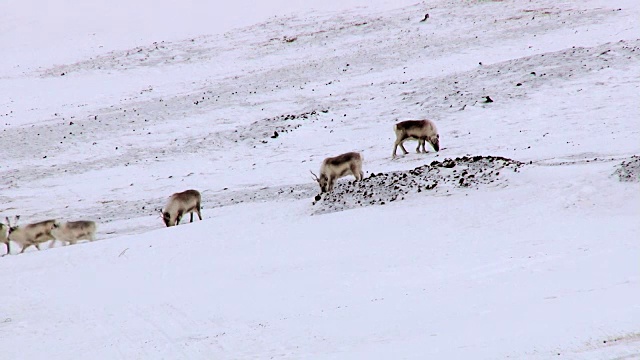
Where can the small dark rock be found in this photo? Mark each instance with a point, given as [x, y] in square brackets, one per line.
[448, 163]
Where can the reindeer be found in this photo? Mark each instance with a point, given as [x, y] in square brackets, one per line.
[179, 204]
[333, 168]
[72, 231]
[4, 233]
[421, 130]
[32, 234]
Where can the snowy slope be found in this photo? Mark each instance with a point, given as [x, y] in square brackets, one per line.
[534, 257]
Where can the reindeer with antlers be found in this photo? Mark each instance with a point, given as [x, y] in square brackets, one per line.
[333, 168]
[32, 234]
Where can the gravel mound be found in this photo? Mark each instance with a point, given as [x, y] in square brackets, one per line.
[383, 188]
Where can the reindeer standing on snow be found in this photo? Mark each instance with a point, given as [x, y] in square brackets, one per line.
[421, 130]
[4, 233]
[336, 167]
[180, 204]
[32, 234]
[72, 231]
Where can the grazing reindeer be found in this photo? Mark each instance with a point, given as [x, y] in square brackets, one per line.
[32, 234]
[336, 167]
[4, 233]
[421, 130]
[72, 231]
[179, 204]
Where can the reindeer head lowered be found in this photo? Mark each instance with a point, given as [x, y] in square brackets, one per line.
[323, 181]
[179, 204]
[168, 221]
[333, 168]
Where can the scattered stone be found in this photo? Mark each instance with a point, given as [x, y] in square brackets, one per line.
[448, 163]
[629, 170]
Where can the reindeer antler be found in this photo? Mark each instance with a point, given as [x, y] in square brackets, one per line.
[15, 221]
[315, 177]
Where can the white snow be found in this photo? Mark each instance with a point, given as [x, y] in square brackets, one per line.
[538, 259]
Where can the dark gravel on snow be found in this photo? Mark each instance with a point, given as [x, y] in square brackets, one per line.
[629, 170]
[437, 177]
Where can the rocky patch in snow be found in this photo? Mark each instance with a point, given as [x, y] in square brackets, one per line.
[437, 177]
[629, 170]
[261, 131]
[273, 127]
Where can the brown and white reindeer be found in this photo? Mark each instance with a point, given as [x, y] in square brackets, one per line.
[32, 234]
[72, 231]
[4, 234]
[180, 204]
[333, 168]
[421, 130]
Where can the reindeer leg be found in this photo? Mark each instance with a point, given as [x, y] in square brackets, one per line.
[402, 147]
[198, 211]
[37, 246]
[420, 142]
[191, 216]
[25, 248]
[8, 248]
[355, 172]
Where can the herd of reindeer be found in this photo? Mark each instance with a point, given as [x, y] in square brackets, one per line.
[188, 202]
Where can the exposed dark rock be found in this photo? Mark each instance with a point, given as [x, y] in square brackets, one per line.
[381, 188]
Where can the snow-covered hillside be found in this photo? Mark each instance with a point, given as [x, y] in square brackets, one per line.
[519, 239]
